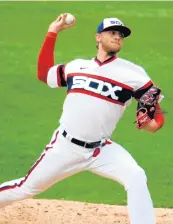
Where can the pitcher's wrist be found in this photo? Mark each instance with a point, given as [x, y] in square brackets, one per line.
[51, 34]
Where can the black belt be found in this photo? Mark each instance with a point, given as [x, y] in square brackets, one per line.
[84, 144]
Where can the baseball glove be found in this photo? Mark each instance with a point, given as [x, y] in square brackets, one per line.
[146, 107]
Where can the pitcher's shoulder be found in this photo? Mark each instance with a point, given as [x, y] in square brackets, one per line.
[136, 74]
[130, 65]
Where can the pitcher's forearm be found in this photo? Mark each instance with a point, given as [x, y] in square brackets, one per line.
[46, 56]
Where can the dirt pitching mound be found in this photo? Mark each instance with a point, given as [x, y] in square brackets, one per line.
[70, 212]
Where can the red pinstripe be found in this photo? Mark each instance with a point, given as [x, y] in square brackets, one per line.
[95, 95]
[31, 170]
[145, 86]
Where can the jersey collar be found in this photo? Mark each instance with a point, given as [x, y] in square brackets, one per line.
[106, 61]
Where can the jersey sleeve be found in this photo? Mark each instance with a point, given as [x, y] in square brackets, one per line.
[143, 84]
[56, 76]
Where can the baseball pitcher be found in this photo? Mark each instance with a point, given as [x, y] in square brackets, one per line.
[98, 92]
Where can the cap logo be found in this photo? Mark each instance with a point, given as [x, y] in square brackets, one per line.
[115, 22]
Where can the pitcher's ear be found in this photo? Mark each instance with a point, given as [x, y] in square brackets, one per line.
[98, 37]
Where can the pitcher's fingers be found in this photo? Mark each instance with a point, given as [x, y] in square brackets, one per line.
[59, 18]
[63, 17]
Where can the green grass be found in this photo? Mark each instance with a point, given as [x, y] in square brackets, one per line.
[30, 110]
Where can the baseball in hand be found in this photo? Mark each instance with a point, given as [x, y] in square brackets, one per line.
[69, 18]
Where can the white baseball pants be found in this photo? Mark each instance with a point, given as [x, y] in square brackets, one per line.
[62, 158]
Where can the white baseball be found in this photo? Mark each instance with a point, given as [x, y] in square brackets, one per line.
[69, 19]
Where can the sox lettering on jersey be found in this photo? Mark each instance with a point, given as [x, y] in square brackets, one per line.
[100, 88]
[96, 86]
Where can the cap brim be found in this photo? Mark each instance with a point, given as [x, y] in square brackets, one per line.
[123, 29]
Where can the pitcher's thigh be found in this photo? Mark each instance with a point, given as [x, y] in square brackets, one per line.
[55, 163]
[116, 163]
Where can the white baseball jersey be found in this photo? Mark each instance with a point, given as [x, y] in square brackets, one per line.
[97, 94]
